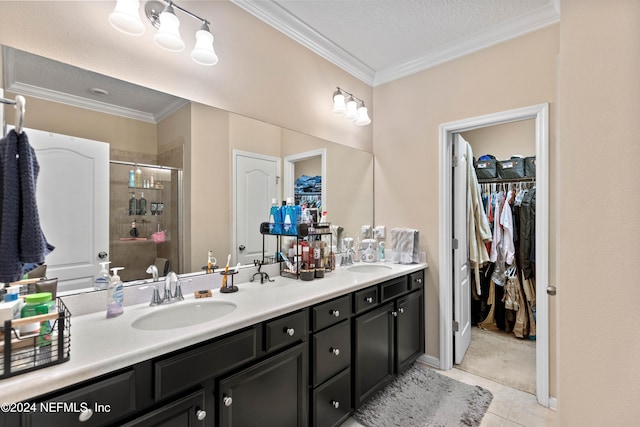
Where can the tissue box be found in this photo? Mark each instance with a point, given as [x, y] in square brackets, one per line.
[9, 310]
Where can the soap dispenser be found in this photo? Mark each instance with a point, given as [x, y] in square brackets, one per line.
[102, 279]
[115, 295]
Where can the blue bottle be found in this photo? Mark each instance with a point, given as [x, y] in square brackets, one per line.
[289, 218]
[275, 218]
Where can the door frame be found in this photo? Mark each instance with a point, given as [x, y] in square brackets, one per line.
[289, 172]
[540, 113]
[234, 213]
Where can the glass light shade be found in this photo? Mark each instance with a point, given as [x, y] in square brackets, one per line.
[352, 110]
[203, 52]
[363, 116]
[168, 35]
[339, 107]
[126, 17]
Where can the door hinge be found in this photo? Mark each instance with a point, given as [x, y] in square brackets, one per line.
[456, 326]
[454, 162]
[277, 179]
[454, 243]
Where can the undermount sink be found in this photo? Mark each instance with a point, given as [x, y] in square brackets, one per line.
[369, 268]
[181, 314]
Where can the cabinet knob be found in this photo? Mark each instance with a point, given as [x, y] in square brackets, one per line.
[335, 404]
[85, 414]
[395, 313]
[334, 313]
[401, 310]
[290, 331]
[335, 351]
[201, 415]
[418, 280]
[227, 400]
[369, 300]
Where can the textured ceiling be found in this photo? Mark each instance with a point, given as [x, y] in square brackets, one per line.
[377, 41]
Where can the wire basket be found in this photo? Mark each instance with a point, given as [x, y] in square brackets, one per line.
[22, 353]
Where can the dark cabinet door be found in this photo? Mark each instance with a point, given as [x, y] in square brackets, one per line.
[188, 411]
[409, 329]
[373, 352]
[273, 392]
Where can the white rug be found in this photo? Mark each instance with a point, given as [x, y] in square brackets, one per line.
[421, 397]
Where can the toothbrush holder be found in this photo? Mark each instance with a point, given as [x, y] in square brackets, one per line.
[227, 289]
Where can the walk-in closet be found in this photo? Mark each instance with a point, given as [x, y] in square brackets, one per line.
[503, 346]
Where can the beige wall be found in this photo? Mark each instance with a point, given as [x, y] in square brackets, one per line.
[409, 111]
[599, 231]
[504, 141]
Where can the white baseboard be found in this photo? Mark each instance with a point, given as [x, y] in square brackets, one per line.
[434, 362]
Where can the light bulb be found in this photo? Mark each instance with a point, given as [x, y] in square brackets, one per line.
[126, 17]
[203, 53]
[339, 106]
[168, 35]
[352, 110]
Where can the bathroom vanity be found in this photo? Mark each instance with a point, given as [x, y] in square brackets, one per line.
[291, 353]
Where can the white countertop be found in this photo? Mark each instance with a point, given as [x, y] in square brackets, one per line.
[100, 345]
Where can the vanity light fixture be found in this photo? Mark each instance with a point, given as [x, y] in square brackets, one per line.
[126, 18]
[353, 109]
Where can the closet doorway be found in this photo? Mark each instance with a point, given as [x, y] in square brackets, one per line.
[451, 315]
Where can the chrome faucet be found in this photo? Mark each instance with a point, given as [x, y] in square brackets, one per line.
[168, 297]
[153, 270]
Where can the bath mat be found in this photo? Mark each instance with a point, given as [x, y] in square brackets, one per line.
[421, 397]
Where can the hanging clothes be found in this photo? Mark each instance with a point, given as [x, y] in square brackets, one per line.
[477, 223]
[21, 238]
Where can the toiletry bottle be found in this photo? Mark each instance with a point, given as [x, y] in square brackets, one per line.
[275, 218]
[382, 245]
[133, 204]
[289, 218]
[138, 178]
[142, 205]
[210, 262]
[132, 179]
[102, 279]
[115, 295]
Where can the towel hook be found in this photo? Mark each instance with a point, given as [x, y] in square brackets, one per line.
[19, 106]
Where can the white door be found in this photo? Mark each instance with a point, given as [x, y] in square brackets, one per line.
[256, 183]
[461, 269]
[73, 203]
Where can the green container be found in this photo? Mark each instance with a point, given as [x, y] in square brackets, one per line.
[35, 305]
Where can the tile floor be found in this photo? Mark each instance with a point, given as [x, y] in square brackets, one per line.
[509, 407]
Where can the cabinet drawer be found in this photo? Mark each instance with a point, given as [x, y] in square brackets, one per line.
[365, 299]
[394, 287]
[285, 330]
[332, 401]
[192, 367]
[331, 312]
[97, 404]
[188, 411]
[331, 351]
[416, 280]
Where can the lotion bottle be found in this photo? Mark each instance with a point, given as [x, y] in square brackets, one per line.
[102, 279]
[115, 295]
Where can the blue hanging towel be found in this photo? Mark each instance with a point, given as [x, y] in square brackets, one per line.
[21, 238]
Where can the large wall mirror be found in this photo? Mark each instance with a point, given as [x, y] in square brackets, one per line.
[178, 135]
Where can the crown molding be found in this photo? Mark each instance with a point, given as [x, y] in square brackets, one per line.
[279, 18]
[283, 21]
[524, 24]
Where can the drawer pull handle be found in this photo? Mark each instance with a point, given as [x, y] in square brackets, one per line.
[290, 331]
[419, 280]
[227, 400]
[201, 415]
[85, 414]
[395, 313]
[335, 404]
[369, 300]
[335, 313]
[335, 351]
[401, 310]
